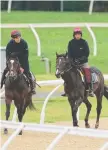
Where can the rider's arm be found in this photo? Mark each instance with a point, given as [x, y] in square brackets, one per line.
[25, 51]
[8, 50]
[25, 58]
[86, 49]
[69, 50]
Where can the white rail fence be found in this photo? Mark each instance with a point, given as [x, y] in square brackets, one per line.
[37, 39]
[5, 146]
[42, 117]
[53, 25]
[57, 25]
[94, 39]
[57, 139]
[62, 130]
[104, 147]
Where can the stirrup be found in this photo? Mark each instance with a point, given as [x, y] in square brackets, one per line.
[33, 91]
[64, 94]
[91, 93]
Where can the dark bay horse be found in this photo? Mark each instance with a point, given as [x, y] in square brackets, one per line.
[75, 87]
[17, 89]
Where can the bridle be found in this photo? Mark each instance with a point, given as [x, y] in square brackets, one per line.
[71, 66]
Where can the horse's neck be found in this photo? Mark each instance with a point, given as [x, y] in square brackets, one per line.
[72, 78]
[16, 81]
[67, 78]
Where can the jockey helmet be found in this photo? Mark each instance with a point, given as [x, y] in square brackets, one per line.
[77, 30]
[15, 34]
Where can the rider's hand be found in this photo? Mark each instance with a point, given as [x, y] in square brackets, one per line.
[14, 54]
[22, 70]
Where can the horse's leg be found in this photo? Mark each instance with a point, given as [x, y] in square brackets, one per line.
[74, 115]
[20, 115]
[74, 109]
[21, 111]
[99, 107]
[88, 105]
[8, 105]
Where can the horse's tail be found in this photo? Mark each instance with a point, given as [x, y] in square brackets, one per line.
[106, 91]
[31, 106]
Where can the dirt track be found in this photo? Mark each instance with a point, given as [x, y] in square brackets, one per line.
[40, 141]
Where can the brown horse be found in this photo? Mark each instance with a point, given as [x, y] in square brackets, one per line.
[75, 87]
[17, 89]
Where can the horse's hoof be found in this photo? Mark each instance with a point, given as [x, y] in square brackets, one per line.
[75, 125]
[96, 125]
[5, 131]
[20, 133]
[87, 125]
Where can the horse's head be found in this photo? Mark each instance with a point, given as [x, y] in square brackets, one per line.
[13, 66]
[62, 64]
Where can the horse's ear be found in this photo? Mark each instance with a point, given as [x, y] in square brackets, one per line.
[56, 54]
[66, 54]
[17, 58]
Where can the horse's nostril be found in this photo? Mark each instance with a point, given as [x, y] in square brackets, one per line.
[57, 72]
[11, 72]
[57, 75]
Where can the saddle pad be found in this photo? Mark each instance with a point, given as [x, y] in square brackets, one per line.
[94, 77]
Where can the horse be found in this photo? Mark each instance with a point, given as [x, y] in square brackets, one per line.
[17, 89]
[75, 87]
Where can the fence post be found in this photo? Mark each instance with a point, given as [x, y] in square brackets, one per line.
[91, 7]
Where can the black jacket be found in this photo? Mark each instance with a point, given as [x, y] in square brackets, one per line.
[21, 51]
[78, 49]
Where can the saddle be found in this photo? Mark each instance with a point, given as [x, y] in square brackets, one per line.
[93, 75]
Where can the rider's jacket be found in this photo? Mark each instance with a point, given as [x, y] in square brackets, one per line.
[21, 51]
[78, 49]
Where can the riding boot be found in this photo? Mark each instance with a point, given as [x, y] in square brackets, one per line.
[88, 79]
[32, 84]
[91, 93]
[3, 77]
[64, 94]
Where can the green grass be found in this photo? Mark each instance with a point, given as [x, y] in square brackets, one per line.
[56, 39]
[58, 110]
[52, 40]
[46, 77]
[45, 17]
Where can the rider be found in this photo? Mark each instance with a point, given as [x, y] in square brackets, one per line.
[18, 47]
[78, 49]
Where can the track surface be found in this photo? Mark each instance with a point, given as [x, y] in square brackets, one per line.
[40, 141]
